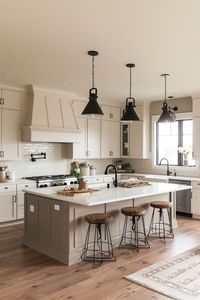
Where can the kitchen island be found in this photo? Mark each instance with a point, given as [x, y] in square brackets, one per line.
[55, 225]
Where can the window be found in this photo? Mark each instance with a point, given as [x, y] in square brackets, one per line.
[171, 136]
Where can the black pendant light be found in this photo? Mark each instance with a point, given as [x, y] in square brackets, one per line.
[129, 114]
[167, 114]
[92, 108]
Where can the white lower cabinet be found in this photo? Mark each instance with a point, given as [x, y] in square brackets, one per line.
[7, 203]
[20, 198]
[195, 204]
[110, 139]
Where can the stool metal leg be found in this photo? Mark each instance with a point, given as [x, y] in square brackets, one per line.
[161, 229]
[100, 249]
[135, 238]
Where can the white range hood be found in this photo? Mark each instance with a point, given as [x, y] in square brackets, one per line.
[50, 118]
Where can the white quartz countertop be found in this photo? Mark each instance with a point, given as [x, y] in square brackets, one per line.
[110, 195]
[159, 176]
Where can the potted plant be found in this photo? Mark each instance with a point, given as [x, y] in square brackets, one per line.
[80, 180]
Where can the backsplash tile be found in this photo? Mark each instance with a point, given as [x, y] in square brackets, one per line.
[55, 163]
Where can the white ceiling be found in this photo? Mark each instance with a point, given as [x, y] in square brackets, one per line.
[45, 42]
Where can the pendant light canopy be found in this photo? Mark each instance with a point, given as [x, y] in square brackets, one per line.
[129, 114]
[92, 107]
[167, 114]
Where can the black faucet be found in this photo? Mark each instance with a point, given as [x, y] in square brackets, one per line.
[115, 182]
[168, 172]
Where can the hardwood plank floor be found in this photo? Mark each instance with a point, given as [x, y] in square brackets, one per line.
[28, 275]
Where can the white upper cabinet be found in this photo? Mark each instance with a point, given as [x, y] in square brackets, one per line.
[89, 144]
[110, 139]
[11, 99]
[10, 124]
[110, 113]
[79, 150]
[94, 137]
[135, 136]
[10, 134]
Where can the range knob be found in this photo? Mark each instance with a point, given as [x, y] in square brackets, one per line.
[54, 184]
[71, 182]
[45, 185]
[75, 182]
[41, 186]
[65, 183]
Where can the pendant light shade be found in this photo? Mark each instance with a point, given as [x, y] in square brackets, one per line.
[167, 114]
[92, 108]
[129, 114]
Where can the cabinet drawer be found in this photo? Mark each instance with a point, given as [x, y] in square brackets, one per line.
[22, 186]
[8, 188]
[196, 184]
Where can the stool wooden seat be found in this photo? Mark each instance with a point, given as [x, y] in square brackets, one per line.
[133, 211]
[161, 229]
[98, 242]
[134, 236]
[99, 218]
[161, 204]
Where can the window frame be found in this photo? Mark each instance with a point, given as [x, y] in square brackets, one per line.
[181, 116]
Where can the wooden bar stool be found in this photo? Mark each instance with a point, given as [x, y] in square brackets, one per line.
[101, 248]
[134, 238]
[161, 229]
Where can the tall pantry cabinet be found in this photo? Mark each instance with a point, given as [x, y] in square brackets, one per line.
[10, 124]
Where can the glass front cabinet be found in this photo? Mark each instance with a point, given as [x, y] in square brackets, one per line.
[125, 140]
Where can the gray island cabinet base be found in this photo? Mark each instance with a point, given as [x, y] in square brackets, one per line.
[57, 228]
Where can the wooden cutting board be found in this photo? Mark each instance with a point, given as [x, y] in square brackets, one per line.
[76, 192]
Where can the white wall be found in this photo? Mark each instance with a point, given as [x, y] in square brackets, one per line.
[55, 163]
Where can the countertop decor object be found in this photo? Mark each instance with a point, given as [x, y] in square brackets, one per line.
[167, 114]
[129, 114]
[92, 107]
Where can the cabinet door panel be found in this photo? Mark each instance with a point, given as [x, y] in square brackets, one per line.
[195, 202]
[10, 133]
[44, 220]
[31, 207]
[110, 139]
[12, 99]
[7, 207]
[57, 227]
[79, 149]
[136, 139]
[94, 135]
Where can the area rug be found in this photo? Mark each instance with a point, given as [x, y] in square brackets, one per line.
[177, 277]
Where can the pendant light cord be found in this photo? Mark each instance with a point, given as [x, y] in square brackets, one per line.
[92, 71]
[130, 82]
[165, 89]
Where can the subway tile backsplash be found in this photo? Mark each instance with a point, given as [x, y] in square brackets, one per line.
[55, 163]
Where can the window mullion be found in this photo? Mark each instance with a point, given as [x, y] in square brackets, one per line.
[180, 141]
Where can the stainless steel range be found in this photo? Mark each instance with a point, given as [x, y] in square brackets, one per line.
[53, 180]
